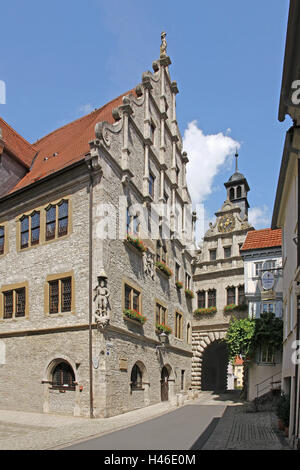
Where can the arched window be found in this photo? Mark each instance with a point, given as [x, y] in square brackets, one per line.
[136, 378]
[239, 192]
[63, 377]
[231, 194]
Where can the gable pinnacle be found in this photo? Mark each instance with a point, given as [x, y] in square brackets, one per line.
[236, 161]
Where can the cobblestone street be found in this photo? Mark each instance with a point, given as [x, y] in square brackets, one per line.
[212, 422]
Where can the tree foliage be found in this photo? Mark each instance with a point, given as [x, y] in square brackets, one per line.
[239, 337]
[245, 335]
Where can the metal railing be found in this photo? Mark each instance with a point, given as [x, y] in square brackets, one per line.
[268, 385]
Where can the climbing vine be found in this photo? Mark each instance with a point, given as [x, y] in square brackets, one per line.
[245, 335]
[239, 337]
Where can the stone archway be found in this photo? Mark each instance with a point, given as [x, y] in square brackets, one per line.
[214, 367]
[201, 341]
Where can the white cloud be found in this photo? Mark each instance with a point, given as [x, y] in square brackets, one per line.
[207, 154]
[86, 108]
[259, 217]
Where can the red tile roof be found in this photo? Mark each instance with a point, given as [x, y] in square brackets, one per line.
[16, 145]
[238, 361]
[67, 144]
[265, 238]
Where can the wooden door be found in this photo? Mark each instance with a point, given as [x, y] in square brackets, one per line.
[164, 384]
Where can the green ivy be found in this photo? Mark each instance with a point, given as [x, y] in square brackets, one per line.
[239, 337]
[245, 335]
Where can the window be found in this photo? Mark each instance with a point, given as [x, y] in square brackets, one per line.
[151, 184]
[201, 299]
[178, 325]
[177, 272]
[2, 239]
[230, 295]
[160, 314]
[63, 377]
[57, 220]
[60, 295]
[14, 303]
[266, 354]
[30, 230]
[136, 378]
[227, 251]
[212, 298]
[132, 298]
[268, 307]
[213, 255]
[258, 268]
[231, 194]
[269, 265]
[187, 281]
[136, 226]
[239, 192]
[241, 295]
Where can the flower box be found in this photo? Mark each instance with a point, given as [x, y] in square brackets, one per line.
[189, 293]
[178, 285]
[204, 311]
[162, 328]
[137, 243]
[233, 307]
[164, 268]
[134, 315]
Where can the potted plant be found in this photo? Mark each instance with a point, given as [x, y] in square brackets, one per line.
[137, 243]
[204, 311]
[135, 315]
[164, 268]
[231, 307]
[283, 412]
[178, 285]
[162, 328]
[189, 293]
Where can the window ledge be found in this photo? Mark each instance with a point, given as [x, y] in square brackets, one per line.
[132, 247]
[131, 320]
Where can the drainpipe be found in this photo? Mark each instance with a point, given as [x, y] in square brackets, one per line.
[91, 290]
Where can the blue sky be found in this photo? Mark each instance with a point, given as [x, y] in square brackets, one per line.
[60, 59]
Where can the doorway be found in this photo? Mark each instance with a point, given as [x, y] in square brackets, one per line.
[214, 367]
[164, 384]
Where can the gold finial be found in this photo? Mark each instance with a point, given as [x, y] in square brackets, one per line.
[163, 46]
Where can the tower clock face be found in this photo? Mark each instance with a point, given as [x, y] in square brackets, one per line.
[226, 223]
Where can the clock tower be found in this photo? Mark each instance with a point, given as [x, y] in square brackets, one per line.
[237, 190]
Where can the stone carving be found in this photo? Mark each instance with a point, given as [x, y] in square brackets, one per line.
[102, 298]
[163, 46]
[148, 261]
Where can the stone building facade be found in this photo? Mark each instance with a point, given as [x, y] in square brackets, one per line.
[219, 283]
[95, 237]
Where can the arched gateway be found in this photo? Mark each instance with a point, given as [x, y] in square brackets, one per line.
[214, 367]
[210, 361]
